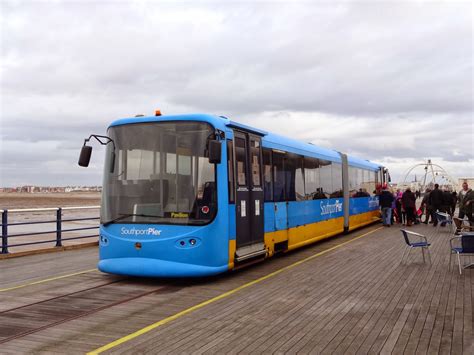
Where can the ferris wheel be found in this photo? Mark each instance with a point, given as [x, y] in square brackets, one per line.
[433, 174]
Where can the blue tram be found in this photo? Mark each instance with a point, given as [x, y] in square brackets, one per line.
[196, 195]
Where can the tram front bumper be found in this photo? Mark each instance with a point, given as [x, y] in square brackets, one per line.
[156, 268]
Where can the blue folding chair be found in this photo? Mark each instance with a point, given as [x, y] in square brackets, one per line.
[444, 220]
[422, 243]
[462, 245]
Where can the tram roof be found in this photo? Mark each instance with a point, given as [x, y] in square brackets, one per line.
[270, 140]
[361, 163]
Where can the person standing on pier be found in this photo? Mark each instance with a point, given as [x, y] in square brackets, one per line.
[409, 204]
[454, 201]
[447, 202]
[436, 202]
[466, 203]
[385, 201]
[426, 207]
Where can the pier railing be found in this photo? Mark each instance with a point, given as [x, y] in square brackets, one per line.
[57, 232]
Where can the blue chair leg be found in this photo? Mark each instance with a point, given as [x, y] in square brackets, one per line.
[405, 254]
[408, 254]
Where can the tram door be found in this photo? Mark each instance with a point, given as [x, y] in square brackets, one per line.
[249, 197]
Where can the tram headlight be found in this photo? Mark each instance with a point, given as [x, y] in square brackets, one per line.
[192, 241]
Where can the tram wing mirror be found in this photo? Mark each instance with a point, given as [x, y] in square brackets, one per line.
[85, 156]
[215, 152]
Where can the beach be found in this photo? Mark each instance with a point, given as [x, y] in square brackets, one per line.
[11, 201]
[39, 200]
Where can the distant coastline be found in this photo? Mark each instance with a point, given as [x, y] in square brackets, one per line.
[50, 189]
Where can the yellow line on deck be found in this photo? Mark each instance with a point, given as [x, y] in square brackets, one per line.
[212, 300]
[47, 280]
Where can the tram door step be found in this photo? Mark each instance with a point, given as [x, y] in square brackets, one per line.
[250, 252]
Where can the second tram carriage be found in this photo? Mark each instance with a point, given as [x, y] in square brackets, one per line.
[195, 195]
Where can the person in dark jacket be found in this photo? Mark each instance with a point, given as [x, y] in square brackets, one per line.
[436, 202]
[426, 207]
[385, 201]
[417, 194]
[466, 203]
[409, 204]
[447, 202]
[454, 200]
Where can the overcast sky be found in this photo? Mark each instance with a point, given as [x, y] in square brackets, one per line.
[387, 81]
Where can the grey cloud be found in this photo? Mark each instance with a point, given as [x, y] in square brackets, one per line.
[399, 71]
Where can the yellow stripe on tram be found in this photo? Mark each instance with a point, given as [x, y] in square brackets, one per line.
[212, 300]
[47, 280]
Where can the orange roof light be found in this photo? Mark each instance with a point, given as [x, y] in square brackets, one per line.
[157, 113]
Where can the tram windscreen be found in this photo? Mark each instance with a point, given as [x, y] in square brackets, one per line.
[161, 174]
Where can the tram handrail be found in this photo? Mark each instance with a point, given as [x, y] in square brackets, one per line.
[58, 230]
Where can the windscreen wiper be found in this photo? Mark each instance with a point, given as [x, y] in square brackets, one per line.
[126, 215]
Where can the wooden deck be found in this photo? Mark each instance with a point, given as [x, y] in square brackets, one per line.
[356, 298]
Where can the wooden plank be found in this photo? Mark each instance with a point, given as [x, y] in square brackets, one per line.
[447, 335]
[429, 323]
[457, 340]
[428, 278]
[356, 299]
[324, 330]
[468, 333]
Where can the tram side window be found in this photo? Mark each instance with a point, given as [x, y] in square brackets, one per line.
[255, 162]
[373, 183]
[326, 177]
[336, 171]
[311, 179]
[278, 178]
[241, 161]
[294, 177]
[230, 171]
[289, 178]
[353, 185]
[360, 178]
[299, 179]
[267, 175]
[363, 180]
[368, 183]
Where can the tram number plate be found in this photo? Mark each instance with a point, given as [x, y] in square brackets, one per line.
[243, 209]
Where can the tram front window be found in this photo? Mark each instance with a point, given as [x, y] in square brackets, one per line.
[161, 174]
